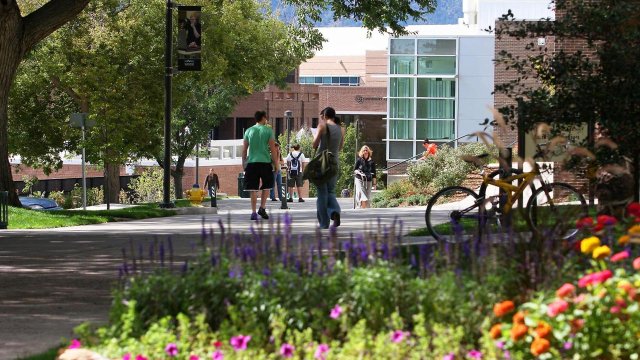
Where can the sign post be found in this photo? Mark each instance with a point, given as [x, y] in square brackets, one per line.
[80, 120]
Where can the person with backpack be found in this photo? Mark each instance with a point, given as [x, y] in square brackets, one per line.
[294, 177]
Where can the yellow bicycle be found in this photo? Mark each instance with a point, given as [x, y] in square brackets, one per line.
[457, 213]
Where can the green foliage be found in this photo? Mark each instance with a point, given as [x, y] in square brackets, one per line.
[147, 188]
[29, 183]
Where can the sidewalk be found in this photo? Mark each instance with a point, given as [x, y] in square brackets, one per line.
[51, 280]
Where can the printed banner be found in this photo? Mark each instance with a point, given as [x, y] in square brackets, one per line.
[189, 38]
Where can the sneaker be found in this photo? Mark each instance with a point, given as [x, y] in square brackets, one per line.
[300, 200]
[262, 212]
[290, 200]
[254, 216]
[335, 216]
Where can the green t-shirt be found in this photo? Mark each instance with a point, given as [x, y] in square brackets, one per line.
[258, 138]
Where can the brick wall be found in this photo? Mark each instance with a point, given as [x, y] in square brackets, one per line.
[354, 99]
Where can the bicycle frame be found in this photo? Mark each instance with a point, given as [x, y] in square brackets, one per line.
[513, 192]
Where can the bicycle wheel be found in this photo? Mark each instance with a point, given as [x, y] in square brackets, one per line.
[456, 217]
[553, 209]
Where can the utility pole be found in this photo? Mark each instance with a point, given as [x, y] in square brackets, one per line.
[168, 73]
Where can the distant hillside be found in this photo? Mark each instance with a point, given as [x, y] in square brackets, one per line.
[447, 12]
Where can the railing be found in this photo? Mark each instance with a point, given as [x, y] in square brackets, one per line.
[4, 209]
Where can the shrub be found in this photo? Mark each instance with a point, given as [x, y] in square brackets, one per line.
[148, 187]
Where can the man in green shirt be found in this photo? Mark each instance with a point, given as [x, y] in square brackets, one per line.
[261, 158]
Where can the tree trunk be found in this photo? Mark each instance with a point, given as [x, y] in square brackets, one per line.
[17, 36]
[177, 176]
[112, 183]
[10, 55]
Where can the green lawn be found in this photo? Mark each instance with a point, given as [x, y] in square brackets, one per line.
[32, 219]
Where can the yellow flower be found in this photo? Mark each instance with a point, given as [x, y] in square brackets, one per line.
[601, 252]
[623, 240]
[634, 230]
[589, 244]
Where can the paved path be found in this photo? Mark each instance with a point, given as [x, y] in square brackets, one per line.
[54, 279]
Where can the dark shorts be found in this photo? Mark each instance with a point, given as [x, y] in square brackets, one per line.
[257, 173]
[295, 180]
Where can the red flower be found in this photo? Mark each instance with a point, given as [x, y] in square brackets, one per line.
[565, 290]
[634, 209]
[607, 220]
[585, 222]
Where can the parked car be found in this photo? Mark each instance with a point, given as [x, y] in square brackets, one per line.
[36, 203]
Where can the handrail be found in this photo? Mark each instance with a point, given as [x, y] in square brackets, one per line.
[415, 156]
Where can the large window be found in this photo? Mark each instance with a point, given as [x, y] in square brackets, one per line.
[421, 94]
[330, 80]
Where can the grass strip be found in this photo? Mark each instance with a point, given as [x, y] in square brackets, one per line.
[33, 219]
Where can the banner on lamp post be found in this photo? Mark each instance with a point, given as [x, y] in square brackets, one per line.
[189, 38]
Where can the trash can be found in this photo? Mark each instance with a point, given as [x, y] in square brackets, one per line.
[241, 192]
[4, 209]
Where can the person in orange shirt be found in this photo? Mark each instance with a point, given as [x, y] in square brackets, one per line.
[429, 149]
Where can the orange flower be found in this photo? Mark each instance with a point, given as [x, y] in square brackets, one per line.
[518, 318]
[496, 331]
[518, 331]
[624, 240]
[543, 329]
[540, 346]
[503, 308]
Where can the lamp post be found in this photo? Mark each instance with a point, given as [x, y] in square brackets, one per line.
[168, 73]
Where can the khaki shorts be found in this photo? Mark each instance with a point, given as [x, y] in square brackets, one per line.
[295, 180]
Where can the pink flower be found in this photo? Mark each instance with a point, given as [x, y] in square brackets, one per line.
[171, 349]
[217, 355]
[565, 290]
[194, 357]
[557, 307]
[336, 312]
[320, 351]
[126, 356]
[287, 350]
[615, 309]
[620, 256]
[474, 354]
[141, 357]
[398, 335]
[449, 356]
[636, 263]
[240, 342]
[595, 278]
[75, 344]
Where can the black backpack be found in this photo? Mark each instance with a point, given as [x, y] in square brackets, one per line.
[294, 168]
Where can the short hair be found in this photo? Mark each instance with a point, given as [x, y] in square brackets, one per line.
[362, 149]
[296, 147]
[259, 115]
[426, 141]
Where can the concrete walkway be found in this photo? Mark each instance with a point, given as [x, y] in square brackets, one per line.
[54, 279]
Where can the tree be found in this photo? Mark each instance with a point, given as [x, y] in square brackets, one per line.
[18, 35]
[591, 77]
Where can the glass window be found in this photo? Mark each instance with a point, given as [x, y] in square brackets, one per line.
[438, 87]
[402, 46]
[435, 130]
[436, 47]
[344, 80]
[402, 65]
[401, 108]
[354, 81]
[435, 109]
[318, 80]
[400, 149]
[326, 80]
[401, 87]
[442, 65]
[401, 129]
